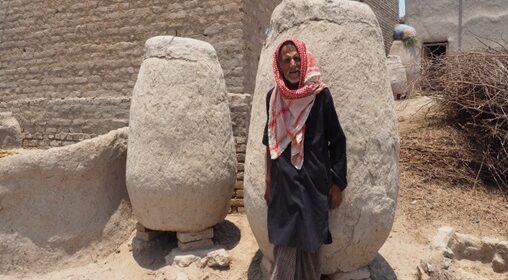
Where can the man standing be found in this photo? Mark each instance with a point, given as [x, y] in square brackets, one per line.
[306, 162]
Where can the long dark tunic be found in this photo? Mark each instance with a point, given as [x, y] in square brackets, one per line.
[298, 206]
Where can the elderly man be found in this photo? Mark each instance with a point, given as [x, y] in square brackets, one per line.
[306, 162]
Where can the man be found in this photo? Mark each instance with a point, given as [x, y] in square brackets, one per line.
[306, 162]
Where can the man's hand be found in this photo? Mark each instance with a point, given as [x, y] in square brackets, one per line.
[268, 189]
[334, 197]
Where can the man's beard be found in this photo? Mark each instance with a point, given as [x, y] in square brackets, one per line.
[290, 85]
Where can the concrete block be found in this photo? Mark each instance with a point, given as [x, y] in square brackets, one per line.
[186, 237]
[195, 245]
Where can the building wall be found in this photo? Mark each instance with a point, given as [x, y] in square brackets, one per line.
[438, 20]
[58, 55]
[255, 22]
[387, 13]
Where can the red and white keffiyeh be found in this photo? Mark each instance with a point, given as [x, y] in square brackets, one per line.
[289, 109]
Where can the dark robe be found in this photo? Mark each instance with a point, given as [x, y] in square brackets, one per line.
[298, 204]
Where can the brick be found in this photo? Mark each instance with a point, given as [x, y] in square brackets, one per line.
[237, 202]
[186, 237]
[195, 245]
[240, 157]
[241, 148]
[239, 184]
[239, 193]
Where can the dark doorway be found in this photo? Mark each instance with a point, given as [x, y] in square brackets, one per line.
[435, 50]
[433, 53]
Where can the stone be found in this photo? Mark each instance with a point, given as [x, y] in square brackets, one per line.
[448, 253]
[218, 258]
[499, 264]
[360, 274]
[397, 74]
[500, 259]
[181, 276]
[185, 260]
[421, 274]
[469, 247]
[181, 164]
[464, 275]
[10, 131]
[502, 248]
[441, 240]
[353, 65]
[65, 202]
[194, 236]
[195, 245]
[214, 256]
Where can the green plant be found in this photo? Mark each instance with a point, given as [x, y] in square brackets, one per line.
[409, 41]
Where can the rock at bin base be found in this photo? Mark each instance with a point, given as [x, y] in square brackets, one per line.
[347, 42]
[181, 165]
[213, 257]
[218, 258]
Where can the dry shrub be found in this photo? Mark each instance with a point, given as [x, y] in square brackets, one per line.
[472, 90]
[438, 153]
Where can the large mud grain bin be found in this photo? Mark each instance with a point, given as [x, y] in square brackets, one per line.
[68, 68]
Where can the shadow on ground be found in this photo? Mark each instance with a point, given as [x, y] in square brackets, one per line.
[150, 254]
[226, 234]
[379, 268]
[254, 272]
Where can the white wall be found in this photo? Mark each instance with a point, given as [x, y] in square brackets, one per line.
[437, 20]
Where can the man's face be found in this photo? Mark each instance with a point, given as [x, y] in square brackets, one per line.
[290, 63]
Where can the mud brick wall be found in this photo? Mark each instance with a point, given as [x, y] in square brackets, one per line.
[387, 13]
[75, 50]
[59, 122]
[255, 24]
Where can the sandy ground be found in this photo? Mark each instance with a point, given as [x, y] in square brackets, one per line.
[423, 206]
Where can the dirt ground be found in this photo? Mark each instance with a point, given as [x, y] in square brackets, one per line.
[426, 202]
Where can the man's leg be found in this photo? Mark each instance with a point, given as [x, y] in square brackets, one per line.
[284, 264]
[307, 266]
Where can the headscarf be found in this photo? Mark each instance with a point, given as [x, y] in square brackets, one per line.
[289, 109]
